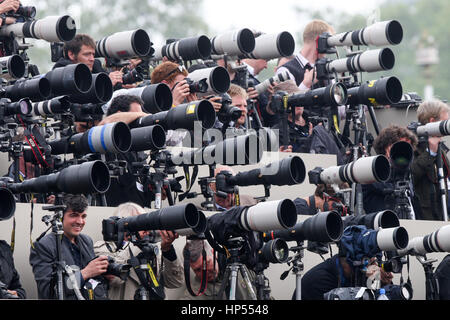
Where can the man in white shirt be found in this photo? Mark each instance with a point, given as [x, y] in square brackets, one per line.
[301, 68]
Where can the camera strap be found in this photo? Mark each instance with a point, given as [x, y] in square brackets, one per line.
[187, 273]
[148, 281]
[189, 180]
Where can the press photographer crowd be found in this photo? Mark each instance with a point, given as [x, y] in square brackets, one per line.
[123, 123]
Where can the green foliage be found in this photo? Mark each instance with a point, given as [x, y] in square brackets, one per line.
[418, 18]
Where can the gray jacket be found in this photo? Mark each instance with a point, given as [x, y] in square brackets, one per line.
[43, 255]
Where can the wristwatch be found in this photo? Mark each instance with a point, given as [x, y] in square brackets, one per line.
[3, 17]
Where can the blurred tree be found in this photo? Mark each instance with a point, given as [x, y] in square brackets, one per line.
[160, 18]
[417, 17]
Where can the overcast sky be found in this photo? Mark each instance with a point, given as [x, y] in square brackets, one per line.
[273, 15]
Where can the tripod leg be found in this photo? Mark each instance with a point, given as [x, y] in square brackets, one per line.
[233, 282]
[248, 283]
[224, 283]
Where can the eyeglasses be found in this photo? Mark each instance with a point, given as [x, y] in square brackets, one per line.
[180, 69]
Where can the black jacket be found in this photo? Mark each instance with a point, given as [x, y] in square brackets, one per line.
[44, 255]
[8, 273]
[321, 279]
[442, 275]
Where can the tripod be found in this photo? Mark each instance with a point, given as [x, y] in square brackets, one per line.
[234, 266]
[297, 268]
[431, 286]
[150, 288]
[402, 206]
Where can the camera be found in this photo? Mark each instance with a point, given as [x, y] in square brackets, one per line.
[185, 49]
[281, 77]
[101, 91]
[368, 61]
[51, 29]
[217, 79]
[432, 129]
[23, 107]
[288, 171]
[157, 97]
[70, 80]
[200, 86]
[385, 91]
[272, 46]
[437, 241]
[182, 116]
[274, 251]
[58, 105]
[124, 45]
[228, 112]
[109, 138]
[365, 170]
[383, 219]
[133, 76]
[8, 204]
[36, 89]
[12, 67]
[379, 34]
[331, 96]
[233, 43]
[170, 218]
[239, 150]
[148, 138]
[117, 269]
[322, 227]
[88, 177]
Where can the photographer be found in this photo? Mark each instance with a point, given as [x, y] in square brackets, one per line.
[301, 68]
[300, 130]
[81, 49]
[77, 251]
[324, 199]
[424, 166]
[5, 7]
[255, 66]
[169, 266]
[126, 187]
[223, 204]
[380, 196]
[10, 286]
[174, 76]
[355, 263]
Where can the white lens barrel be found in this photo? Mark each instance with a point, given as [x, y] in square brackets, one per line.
[365, 170]
[12, 67]
[234, 43]
[125, 44]
[273, 46]
[368, 61]
[438, 241]
[270, 215]
[382, 33]
[217, 78]
[51, 29]
[434, 129]
[281, 77]
[391, 239]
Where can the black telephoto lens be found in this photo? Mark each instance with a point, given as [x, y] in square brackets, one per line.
[36, 89]
[88, 177]
[384, 91]
[70, 80]
[148, 138]
[8, 202]
[101, 90]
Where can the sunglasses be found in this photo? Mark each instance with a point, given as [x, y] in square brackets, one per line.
[180, 69]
